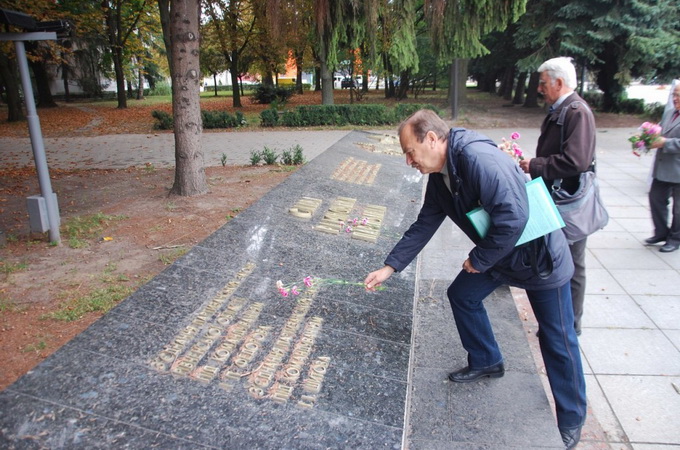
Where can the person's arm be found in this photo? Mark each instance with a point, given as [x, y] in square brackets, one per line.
[669, 144]
[377, 278]
[412, 242]
[578, 148]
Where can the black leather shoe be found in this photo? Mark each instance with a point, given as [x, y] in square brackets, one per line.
[468, 375]
[669, 247]
[654, 240]
[570, 437]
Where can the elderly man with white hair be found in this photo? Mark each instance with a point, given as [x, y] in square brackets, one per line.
[566, 148]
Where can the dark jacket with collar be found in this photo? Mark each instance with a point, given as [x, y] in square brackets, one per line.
[481, 174]
[578, 147]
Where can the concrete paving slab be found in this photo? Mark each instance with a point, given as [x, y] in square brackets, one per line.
[630, 352]
[613, 239]
[662, 310]
[648, 282]
[601, 282]
[636, 401]
[614, 311]
[633, 258]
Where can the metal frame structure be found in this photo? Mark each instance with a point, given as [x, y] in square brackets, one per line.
[33, 34]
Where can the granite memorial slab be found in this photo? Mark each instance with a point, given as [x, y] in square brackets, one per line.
[209, 353]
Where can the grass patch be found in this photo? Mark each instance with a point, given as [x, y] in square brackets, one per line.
[38, 346]
[98, 300]
[78, 230]
[112, 289]
[9, 268]
[171, 256]
[7, 305]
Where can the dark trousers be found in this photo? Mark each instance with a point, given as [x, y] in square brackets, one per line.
[659, 197]
[558, 341]
[578, 281]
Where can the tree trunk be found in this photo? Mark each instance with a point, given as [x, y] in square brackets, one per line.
[164, 8]
[7, 73]
[326, 78]
[299, 55]
[215, 83]
[532, 91]
[140, 88]
[64, 77]
[364, 80]
[186, 75]
[507, 83]
[520, 88]
[233, 70]
[454, 88]
[121, 93]
[404, 82]
[317, 78]
[42, 85]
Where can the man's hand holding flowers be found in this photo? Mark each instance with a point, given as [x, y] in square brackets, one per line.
[649, 137]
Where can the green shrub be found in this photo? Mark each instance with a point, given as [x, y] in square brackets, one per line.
[255, 158]
[161, 88]
[269, 156]
[293, 156]
[219, 119]
[631, 106]
[165, 121]
[403, 110]
[269, 118]
[593, 98]
[287, 157]
[298, 157]
[291, 119]
[654, 111]
[265, 94]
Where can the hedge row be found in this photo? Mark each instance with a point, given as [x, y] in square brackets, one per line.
[316, 115]
[211, 119]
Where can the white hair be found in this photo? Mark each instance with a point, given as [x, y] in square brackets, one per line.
[560, 67]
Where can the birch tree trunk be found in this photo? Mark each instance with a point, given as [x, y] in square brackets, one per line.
[189, 162]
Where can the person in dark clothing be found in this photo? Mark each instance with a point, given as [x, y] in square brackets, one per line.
[466, 170]
[564, 151]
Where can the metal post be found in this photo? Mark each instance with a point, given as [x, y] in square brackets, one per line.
[38, 146]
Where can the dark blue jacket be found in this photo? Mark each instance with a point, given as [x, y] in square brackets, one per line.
[483, 175]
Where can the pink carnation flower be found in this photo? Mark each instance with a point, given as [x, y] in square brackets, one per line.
[514, 136]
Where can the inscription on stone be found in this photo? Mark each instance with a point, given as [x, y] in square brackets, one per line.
[305, 207]
[356, 171]
[344, 215]
[338, 213]
[224, 342]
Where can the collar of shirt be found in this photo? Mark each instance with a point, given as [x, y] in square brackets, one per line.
[445, 175]
[560, 100]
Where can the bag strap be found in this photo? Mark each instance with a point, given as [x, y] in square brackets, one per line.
[557, 183]
[535, 248]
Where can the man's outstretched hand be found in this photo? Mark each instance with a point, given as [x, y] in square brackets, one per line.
[376, 278]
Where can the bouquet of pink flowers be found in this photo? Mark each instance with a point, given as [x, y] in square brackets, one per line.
[642, 142]
[511, 147]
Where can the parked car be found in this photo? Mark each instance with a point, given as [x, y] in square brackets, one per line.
[347, 83]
